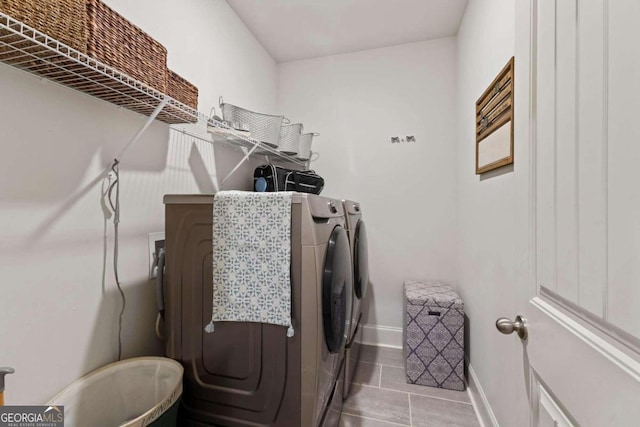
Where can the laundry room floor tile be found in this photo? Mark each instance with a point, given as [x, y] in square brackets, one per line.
[367, 374]
[355, 421]
[395, 379]
[382, 355]
[380, 397]
[378, 404]
[428, 412]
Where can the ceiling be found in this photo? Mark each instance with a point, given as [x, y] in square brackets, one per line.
[299, 29]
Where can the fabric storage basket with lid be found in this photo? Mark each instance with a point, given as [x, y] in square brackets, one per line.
[262, 127]
[290, 139]
[304, 147]
[434, 335]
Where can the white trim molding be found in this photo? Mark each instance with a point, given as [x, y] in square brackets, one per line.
[479, 401]
[382, 336]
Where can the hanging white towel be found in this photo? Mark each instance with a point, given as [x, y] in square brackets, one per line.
[252, 258]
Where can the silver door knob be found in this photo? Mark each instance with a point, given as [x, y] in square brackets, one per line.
[507, 326]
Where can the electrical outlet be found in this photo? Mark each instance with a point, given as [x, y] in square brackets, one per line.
[156, 240]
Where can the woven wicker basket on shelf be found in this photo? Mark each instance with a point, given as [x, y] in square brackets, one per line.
[182, 90]
[120, 44]
[63, 20]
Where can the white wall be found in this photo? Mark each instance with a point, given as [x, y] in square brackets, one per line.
[58, 319]
[486, 217]
[357, 102]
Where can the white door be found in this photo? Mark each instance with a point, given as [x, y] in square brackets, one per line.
[578, 166]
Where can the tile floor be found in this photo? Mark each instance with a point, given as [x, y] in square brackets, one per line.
[380, 397]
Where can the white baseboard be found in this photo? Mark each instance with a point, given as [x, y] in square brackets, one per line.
[479, 401]
[382, 336]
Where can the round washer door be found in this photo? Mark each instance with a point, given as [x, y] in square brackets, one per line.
[360, 261]
[337, 287]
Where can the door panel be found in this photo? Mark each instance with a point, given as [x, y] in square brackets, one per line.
[591, 157]
[623, 134]
[566, 147]
[546, 131]
[595, 380]
[550, 413]
[587, 204]
[582, 207]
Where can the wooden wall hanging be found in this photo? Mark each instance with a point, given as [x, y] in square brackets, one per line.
[494, 123]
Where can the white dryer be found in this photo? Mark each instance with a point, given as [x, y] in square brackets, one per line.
[360, 262]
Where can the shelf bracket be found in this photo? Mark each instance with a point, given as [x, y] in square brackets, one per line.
[244, 159]
[139, 134]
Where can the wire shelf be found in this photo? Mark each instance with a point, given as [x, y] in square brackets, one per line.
[28, 49]
[221, 131]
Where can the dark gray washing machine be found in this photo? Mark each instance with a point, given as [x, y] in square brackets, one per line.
[251, 374]
[360, 262]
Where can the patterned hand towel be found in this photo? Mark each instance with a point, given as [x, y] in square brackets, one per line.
[252, 258]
